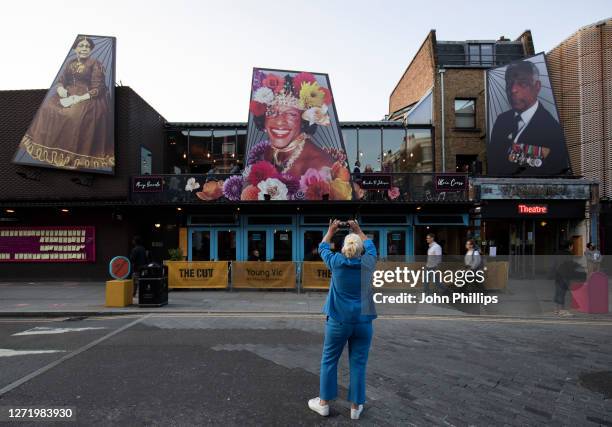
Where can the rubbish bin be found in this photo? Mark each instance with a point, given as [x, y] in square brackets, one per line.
[153, 286]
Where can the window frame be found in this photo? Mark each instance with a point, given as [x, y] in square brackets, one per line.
[456, 127]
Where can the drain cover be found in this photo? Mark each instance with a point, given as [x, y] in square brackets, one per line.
[599, 382]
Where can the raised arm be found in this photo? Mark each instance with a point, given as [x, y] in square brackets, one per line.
[324, 247]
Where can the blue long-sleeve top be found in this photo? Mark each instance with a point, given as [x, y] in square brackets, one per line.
[350, 291]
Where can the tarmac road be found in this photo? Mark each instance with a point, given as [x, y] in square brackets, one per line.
[232, 369]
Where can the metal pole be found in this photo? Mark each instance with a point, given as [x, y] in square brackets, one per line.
[443, 118]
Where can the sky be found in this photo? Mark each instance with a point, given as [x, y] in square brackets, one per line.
[192, 60]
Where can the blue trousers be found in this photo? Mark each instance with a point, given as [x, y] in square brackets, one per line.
[359, 337]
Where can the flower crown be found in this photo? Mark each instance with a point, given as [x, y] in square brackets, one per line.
[301, 91]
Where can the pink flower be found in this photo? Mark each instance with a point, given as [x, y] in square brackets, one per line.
[257, 108]
[393, 193]
[313, 176]
[260, 171]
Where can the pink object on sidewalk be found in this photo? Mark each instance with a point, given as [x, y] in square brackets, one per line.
[591, 296]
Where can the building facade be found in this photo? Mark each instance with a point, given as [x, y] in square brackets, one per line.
[581, 73]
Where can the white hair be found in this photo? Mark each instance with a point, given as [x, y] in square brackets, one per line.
[352, 246]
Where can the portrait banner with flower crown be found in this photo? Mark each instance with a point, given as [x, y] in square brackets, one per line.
[294, 147]
[74, 127]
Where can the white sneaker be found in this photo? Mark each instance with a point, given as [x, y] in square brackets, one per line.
[315, 405]
[355, 413]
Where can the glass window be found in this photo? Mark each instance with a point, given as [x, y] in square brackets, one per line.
[311, 245]
[420, 150]
[224, 150]
[394, 150]
[226, 245]
[200, 245]
[396, 244]
[176, 153]
[474, 52]
[420, 114]
[257, 245]
[465, 113]
[486, 54]
[282, 245]
[370, 149]
[200, 157]
[146, 161]
[350, 143]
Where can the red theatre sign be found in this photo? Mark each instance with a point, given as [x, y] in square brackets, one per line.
[532, 209]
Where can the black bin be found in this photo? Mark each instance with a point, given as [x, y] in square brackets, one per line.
[153, 286]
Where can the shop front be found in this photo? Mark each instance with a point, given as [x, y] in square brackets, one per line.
[526, 221]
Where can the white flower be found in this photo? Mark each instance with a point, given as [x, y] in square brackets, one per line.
[263, 95]
[325, 173]
[192, 184]
[317, 115]
[274, 187]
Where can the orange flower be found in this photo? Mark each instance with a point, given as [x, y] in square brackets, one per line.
[339, 171]
[212, 190]
[340, 190]
[250, 192]
[316, 190]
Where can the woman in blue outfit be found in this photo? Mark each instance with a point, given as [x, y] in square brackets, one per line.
[350, 311]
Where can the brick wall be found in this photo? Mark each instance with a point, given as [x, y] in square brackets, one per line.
[418, 77]
[459, 83]
[137, 123]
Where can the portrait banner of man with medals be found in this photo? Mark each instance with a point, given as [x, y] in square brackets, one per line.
[525, 137]
[73, 128]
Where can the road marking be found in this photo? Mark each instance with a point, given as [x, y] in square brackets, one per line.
[45, 330]
[7, 352]
[78, 351]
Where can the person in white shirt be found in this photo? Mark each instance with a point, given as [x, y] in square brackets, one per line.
[472, 256]
[434, 258]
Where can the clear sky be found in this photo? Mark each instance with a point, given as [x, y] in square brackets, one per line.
[192, 60]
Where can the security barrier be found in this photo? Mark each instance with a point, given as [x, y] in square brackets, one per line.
[197, 274]
[315, 275]
[264, 275]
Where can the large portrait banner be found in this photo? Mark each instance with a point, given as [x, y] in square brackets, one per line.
[74, 127]
[525, 137]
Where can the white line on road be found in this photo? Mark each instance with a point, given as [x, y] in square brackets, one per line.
[44, 330]
[7, 352]
[52, 365]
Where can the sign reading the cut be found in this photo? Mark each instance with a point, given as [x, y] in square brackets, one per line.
[47, 244]
[197, 274]
[74, 126]
[523, 129]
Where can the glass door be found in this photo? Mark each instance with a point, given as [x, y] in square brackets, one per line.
[213, 244]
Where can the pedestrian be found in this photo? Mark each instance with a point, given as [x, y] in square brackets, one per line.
[138, 259]
[434, 258]
[472, 259]
[593, 258]
[349, 316]
[565, 270]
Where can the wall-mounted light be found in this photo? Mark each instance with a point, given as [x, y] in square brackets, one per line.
[9, 211]
[184, 155]
[157, 225]
[208, 155]
[543, 223]
[179, 209]
[65, 210]
[418, 208]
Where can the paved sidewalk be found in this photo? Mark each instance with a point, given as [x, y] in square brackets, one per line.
[521, 299]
